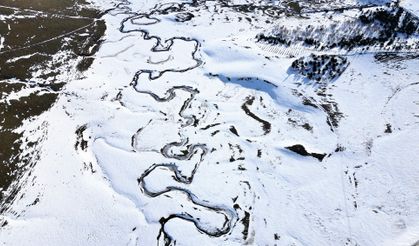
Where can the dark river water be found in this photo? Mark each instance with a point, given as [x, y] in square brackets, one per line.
[31, 34]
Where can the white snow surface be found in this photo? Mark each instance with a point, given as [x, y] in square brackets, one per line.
[412, 5]
[365, 194]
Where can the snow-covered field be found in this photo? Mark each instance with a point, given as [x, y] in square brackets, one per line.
[411, 5]
[185, 131]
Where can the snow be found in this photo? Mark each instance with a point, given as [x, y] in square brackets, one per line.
[411, 5]
[117, 189]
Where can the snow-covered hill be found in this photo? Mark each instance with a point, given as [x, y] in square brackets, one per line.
[188, 129]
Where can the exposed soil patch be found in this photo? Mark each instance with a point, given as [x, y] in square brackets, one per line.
[266, 126]
[300, 149]
[246, 222]
[234, 131]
